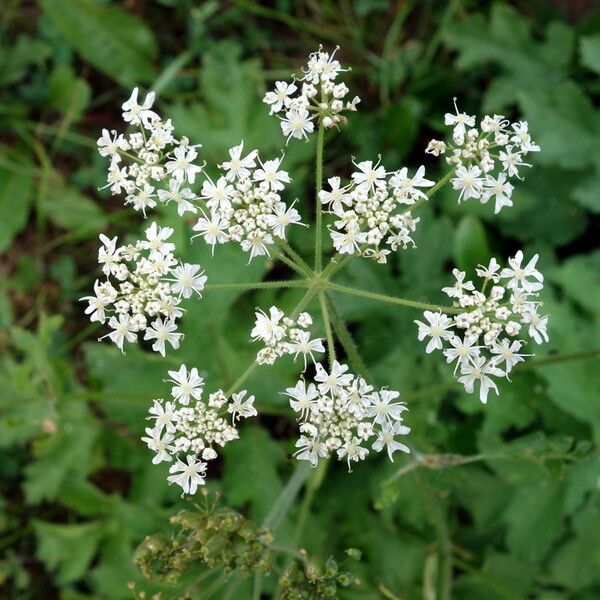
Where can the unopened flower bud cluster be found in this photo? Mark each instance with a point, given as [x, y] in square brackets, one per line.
[483, 340]
[142, 160]
[187, 429]
[244, 205]
[341, 413]
[373, 210]
[485, 157]
[143, 289]
[284, 335]
[318, 94]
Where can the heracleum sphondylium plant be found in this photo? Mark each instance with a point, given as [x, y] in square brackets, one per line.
[483, 334]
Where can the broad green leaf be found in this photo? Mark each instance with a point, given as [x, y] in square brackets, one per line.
[67, 549]
[107, 36]
[68, 95]
[589, 49]
[16, 196]
[67, 207]
[250, 474]
[471, 247]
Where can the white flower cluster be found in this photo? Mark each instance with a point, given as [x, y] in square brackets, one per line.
[284, 335]
[189, 427]
[495, 146]
[244, 204]
[318, 94]
[143, 289]
[147, 157]
[342, 413]
[482, 340]
[371, 209]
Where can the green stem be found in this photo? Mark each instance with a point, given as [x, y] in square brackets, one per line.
[438, 186]
[290, 263]
[392, 299]
[240, 380]
[319, 185]
[345, 337]
[327, 324]
[295, 256]
[261, 285]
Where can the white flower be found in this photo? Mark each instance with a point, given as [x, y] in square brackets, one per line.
[188, 384]
[156, 239]
[518, 275]
[353, 452]
[188, 279]
[213, 230]
[135, 113]
[408, 186]
[281, 217]
[478, 370]
[297, 123]
[460, 121]
[280, 97]
[468, 181]
[462, 350]
[181, 165]
[238, 167]
[537, 326]
[111, 143]
[369, 176]
[511, 161]
[159, 443]
[489, 272]
[310, 449]
[303, 398]
[437, 329]
[217, 194]
[108, 255]
[303, 344]
[460, 286]
[240, 407]
[163, 416]
[271, 175]
[267, 327]
[500, 188]
[350, 240]
[123, 329]
[507, 352]
[386, 439]
[332, 382]
[163, 330]
[383, 409]
[181, 197]
[188, 475]
[337, 197]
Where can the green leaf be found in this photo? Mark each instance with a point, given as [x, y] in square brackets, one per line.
[589, 50]
[67, 207]
[67, 94]
[471, 247]
[16, 196]
[108, 37]
[251, 471]
[67, 549]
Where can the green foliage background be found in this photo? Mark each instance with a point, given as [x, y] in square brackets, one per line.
[503, 502]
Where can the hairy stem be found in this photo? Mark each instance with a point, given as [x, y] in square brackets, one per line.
[261, 285]
[392, 299]
[345, 337]
[432, 190]
[291, 264]
[327, 324]
[319, 185]
[300, 262]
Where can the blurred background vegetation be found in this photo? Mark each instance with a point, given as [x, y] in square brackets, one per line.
[498, 501]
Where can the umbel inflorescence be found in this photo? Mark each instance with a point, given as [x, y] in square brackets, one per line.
[483, 332]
